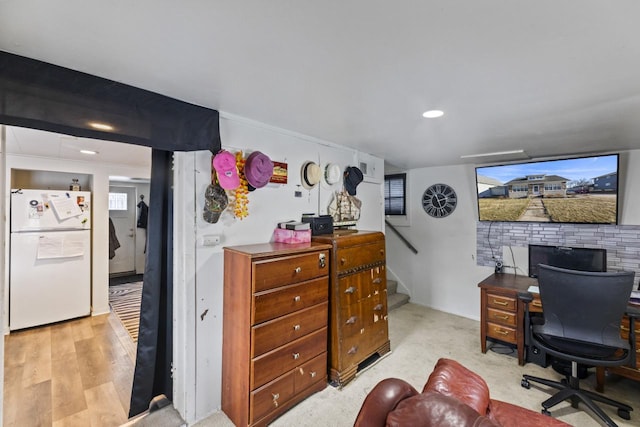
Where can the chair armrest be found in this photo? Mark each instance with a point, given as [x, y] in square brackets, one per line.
[383, 399]
[525, 297]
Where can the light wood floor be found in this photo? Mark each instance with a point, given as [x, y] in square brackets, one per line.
[73, 373]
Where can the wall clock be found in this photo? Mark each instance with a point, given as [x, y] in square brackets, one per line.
[439, 200]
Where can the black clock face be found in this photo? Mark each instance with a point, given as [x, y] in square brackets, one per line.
[439, 200]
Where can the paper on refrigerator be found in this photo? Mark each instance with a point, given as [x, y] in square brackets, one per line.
[65, 207]
[59, 246]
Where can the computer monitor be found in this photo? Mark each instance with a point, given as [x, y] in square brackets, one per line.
[584, 259]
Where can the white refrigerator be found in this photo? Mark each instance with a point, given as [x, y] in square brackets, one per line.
[50, 257]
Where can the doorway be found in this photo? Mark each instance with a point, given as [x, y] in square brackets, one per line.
[122, 214]
[29, 149]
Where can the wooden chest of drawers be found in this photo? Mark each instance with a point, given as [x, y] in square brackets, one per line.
[275, 328]
[358, 301]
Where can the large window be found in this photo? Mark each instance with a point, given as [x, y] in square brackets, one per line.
[395, 202]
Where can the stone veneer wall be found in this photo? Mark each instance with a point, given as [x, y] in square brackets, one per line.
[622, 242]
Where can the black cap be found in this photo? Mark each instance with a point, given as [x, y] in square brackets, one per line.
[352, 177]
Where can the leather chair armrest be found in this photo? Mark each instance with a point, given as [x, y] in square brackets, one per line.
[383, 399]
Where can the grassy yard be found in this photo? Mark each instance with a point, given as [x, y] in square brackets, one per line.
[502, 209]
[589, 209]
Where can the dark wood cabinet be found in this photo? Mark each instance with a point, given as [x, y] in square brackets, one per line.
[275, 328]
[358, 301]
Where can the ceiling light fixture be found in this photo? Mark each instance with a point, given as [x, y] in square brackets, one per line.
[433, 114]
[100, 126]
[88, 152]
[495, 153]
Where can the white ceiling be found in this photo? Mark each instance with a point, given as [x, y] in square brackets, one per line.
[549, 77]
[33, 142]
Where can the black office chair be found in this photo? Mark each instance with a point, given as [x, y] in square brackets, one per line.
[582, 313]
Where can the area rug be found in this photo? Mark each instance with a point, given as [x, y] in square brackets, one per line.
[125, 302]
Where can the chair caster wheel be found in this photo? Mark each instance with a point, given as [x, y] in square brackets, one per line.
[624, 414]
[525, 384]
[545, 412]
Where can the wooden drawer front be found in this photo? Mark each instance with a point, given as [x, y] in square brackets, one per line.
[311, 372]
[270, 365]
[624, 328]
[501, 317]
[501, 332]
[356, 348]
[272, 273]
[501, 302]
[271, 396]
[274, 303]
[352, 320]
[367, 283]
[351, 289]
[357, 256]
[536, 305]
[279, 331]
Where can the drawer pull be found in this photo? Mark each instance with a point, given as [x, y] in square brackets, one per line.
[536, 303]
[321, 261]
[626, 328]
[276, 396]
[495, 301]
[296, 356]
[296, 327]
[350, 290]
[351, 320]
[377, 281]
[343, 261]
[296, 298]
[312, 374]
[353, 350]
[501, 316]
[501, 332]
[298, 270]
[378, 307]
[381, 251]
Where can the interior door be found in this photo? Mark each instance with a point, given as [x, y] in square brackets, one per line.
[122, 211]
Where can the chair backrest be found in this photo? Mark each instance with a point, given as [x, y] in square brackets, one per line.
[584, 306]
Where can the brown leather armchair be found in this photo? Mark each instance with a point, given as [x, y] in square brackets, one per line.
[452, 397]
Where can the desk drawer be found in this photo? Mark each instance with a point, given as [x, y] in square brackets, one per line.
[536, 305]
[501, 302]
[501, 317]
[502, 333]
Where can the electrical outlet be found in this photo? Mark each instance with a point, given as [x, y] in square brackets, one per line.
[210, 240]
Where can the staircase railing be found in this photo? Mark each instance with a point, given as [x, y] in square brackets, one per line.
[404, 240]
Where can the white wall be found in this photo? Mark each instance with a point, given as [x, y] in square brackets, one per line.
[444, 274]
[100, 216]
[267, 206]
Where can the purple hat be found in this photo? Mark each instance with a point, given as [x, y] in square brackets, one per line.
[225, 165]
[258, 169]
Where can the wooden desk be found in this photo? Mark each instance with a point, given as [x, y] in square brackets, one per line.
[501, 312]
[502, 319]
